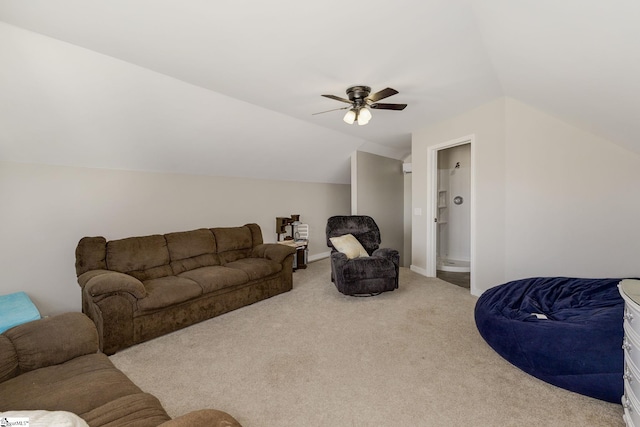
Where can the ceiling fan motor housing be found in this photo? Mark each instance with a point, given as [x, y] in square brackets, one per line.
[358, 94]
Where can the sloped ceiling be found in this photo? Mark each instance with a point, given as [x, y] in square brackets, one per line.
[229, 87]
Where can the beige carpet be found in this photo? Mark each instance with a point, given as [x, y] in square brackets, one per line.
[313, 357]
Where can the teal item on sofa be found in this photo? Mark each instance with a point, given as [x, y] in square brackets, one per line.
[16, 309]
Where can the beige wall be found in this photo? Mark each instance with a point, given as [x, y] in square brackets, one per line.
[379, 192]
[572, 200]
[551, 199]
[486, 124]
[47, 209]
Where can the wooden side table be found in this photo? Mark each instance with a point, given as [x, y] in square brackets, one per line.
[300, 259]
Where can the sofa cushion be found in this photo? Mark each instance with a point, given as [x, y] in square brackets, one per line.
[256, 268]
[139, 410]
[53, 340]
[144, 258]
[191, 249]
[256, 234]
[216, 277]
[70, 386]
[369, 268]
[233, 243]
[90, 254]
[167, 291]
[8, 359]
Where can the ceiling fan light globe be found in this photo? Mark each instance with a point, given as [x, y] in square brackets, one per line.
[350, 117]
[362, 122]
[364, 116]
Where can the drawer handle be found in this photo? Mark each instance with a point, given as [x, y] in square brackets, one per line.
[628, 316]
[626, 345]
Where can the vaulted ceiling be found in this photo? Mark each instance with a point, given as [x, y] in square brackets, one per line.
[229, 87]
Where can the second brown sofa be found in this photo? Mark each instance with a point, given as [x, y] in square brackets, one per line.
[139, 288]
[53, 364]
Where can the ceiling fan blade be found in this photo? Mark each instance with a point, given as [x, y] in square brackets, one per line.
[337, 98]
[384, 93]
[335, 109]
[383, 106]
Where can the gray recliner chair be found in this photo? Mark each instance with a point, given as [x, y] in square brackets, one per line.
[370, 275]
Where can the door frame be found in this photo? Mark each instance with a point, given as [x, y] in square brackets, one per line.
[432, 206]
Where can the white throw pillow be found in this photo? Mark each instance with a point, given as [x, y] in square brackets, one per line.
[349, 246]
[45, 418]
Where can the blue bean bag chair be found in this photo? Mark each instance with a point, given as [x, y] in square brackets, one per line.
[565, 331]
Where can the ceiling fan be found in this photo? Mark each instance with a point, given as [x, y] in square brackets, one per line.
[361, 102]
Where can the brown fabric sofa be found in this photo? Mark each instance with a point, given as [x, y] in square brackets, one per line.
[53, 364]
[139, 288]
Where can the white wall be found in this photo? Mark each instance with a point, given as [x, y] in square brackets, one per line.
[486, 124]
[572, 200]
[65, 105]
[379, 193]
[551, 199]
[47, 209]
[406, 261]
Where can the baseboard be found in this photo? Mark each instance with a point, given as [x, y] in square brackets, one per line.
[319, 256]
[418, 270]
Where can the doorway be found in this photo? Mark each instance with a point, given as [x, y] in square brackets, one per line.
[453, 234]
[451, 231]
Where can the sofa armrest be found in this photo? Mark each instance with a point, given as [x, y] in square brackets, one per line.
[53, 340]
[338, 261]
[391, 254]
[101, 282]
[203, 418]
[272, 251]
[109, 299]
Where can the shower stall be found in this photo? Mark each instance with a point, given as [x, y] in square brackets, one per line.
[454, 210]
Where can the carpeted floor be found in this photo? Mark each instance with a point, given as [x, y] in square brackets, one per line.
[314, 357]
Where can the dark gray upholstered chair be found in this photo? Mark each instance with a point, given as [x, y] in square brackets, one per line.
[367, 275]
